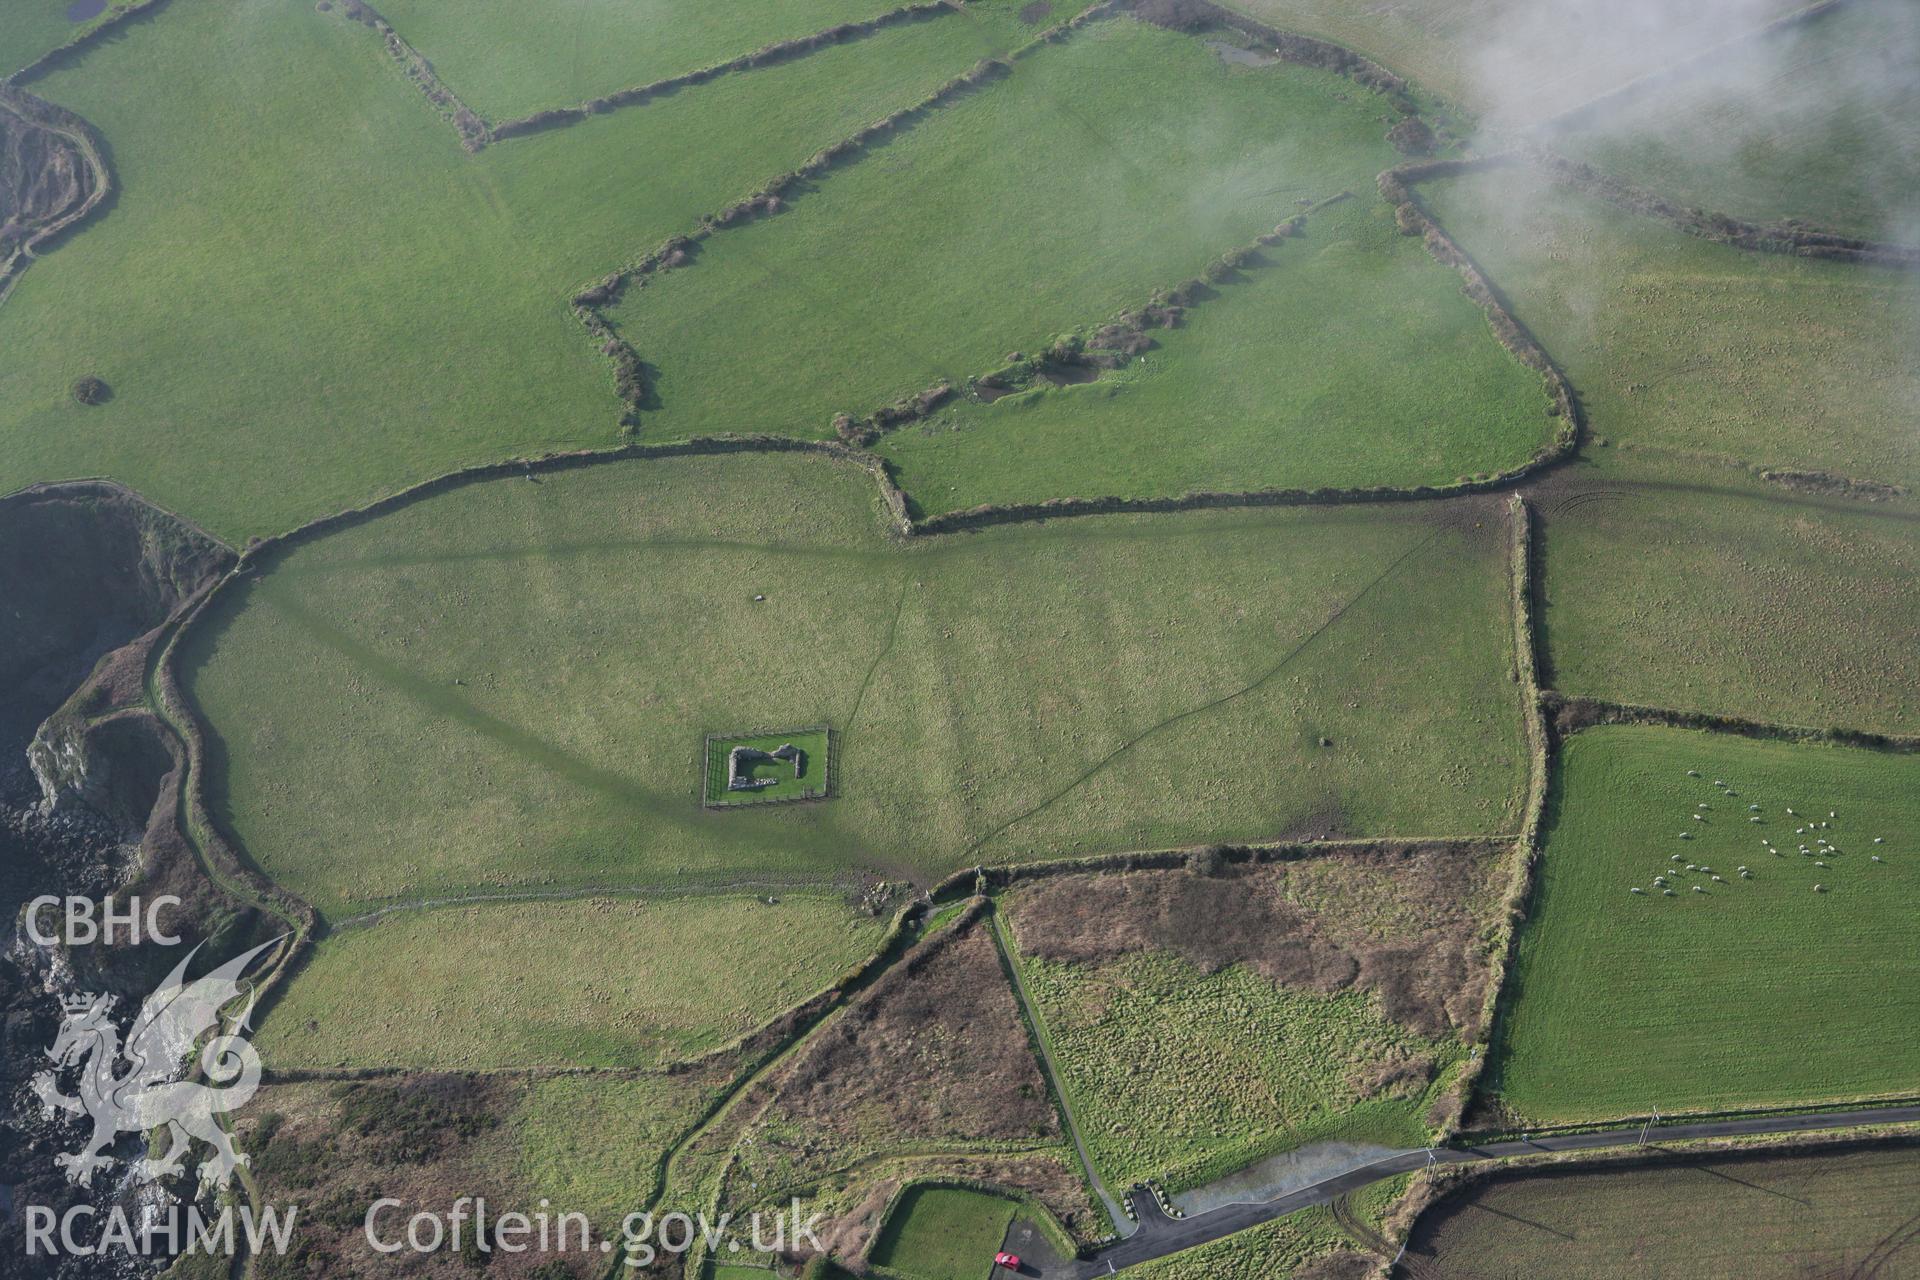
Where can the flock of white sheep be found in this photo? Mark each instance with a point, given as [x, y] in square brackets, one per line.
[1812, 836]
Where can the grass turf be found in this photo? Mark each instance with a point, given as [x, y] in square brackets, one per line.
[1349, 358]
[1118, 160]
[1706, 590]
[1755, 993]
[944, 1233]
[1820, 121]
[1180, 1076]
[507, 685]
[1266, 1252]
[1695, 347]
[592, 1144]
[306, 294]
[599, 983]
[806, 779]
[506, 62]
[1760, 1217]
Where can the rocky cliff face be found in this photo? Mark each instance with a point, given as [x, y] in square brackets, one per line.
[87, 574]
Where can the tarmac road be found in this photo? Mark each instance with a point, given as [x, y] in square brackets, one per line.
[1160, 1235]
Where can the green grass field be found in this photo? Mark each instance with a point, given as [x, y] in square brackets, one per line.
[1819, 122]
[1351, 358]
[508, 685]
[944, 1233]
[1695, 347]
[1707, 590]
[1760, 1217]
[805, 779]
[1757, 992]
[598, 982]
[29, 28]
[506, 61]
[300, 308]
[1119, 160]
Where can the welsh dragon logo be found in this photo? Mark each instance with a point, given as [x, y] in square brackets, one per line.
[149, 1094]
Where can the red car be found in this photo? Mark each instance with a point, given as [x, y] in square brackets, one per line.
[1011, 1261]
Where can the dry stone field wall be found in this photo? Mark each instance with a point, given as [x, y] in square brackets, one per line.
[54, 176]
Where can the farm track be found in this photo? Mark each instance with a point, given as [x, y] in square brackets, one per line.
[1170, 1236]
[1161, 1237]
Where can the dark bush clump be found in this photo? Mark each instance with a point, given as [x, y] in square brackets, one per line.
[92, 390]
[1177, 15]
[1412, 137]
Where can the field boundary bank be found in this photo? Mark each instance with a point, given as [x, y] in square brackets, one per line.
[105, 486]
[978, 913]
[476, 132]
[1434, 1192]
[472, 130]
[772, 197]
[349, 1075]
[1040, 1045]
[1195, 16]
[1519, 1156]
[1784, 1115]
[674, 891]
[37, 113]
[753, 1046]
[975, 881]
[768, 55]
[1526, 849]
[1789, 238]
[1097, 348]
[61, 55]
[1057, 1235]
[1571, 714]
[753, 1087]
